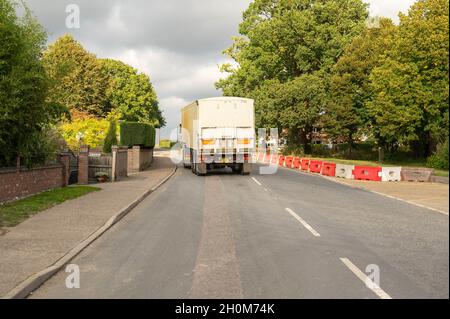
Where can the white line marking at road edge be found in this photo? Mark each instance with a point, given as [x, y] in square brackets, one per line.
[256, 181]
[305, 224]
[362, 276]
[410, 202]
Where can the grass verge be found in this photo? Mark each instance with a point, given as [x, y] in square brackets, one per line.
[12, 214]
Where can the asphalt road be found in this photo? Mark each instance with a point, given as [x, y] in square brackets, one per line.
[288, 235]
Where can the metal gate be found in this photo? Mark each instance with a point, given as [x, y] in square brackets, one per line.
[73, 178]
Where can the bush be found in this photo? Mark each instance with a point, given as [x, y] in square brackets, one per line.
[166, 144]
[360, 151]
[89, 131]
[133, 133]
[111, 138]
[439, 160]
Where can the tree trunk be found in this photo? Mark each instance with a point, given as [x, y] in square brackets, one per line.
[305, 139]
[350, 145]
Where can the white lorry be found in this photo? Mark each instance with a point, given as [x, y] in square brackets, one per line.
[217, 133]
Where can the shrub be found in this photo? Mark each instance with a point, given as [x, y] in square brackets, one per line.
[166, 143]
[111, 138]
[439, 159]
[89, 131]
[133, 133]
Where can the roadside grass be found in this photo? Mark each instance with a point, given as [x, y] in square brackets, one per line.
[12, 214]
[403, 163]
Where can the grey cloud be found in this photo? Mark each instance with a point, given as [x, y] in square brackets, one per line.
[193, 27]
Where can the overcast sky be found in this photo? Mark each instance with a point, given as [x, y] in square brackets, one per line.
[178, 43]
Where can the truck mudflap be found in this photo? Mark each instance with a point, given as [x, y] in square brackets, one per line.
[247, 168]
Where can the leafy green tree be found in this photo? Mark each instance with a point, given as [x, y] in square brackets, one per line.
[25, 109]
[302, 100]
[131, 94]
[282, 40]
[111, 137]
[79, 82]
[410, 103]
[347, 117]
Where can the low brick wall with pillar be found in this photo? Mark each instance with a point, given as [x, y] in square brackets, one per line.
[83, 165]
[16, 183]
[139, 158]
[64, 159]
[119, 162]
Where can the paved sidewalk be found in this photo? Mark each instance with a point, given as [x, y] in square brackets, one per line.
[44, 238]
[433, 195]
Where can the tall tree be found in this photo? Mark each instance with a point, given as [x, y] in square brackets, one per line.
[25, 110]
[346, 115]
[79, 82]
[410, 103]
[131, 94]
[284, 40]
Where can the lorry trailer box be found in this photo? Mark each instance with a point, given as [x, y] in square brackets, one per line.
[218, 132]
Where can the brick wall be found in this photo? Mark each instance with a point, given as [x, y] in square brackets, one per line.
[16, 184]
[139, 158]
[120, 162]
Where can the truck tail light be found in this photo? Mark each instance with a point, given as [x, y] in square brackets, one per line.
[244, 141]
[208, 141]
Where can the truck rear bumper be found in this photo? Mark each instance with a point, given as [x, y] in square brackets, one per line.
[231, 158]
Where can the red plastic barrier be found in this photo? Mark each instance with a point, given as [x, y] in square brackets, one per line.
[260, 157]
[288, 161]
[329, 169]
[304, 164]
[296, 162]
[274, 159]
[366, 173]
[267, 158]
[315, 166]
[281, 160]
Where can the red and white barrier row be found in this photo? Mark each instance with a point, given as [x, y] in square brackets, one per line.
[366, 173]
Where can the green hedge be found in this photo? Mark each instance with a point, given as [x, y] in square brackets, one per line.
[133, 134]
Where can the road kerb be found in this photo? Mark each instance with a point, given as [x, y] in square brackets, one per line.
[35, 281]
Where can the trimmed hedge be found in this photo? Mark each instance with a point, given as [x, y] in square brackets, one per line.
[111, 138]
[133, 134]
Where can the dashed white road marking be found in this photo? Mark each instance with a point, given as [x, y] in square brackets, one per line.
[362, 276]
[301, 220]
[256, 181]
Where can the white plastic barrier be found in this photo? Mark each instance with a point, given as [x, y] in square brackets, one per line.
[344, 171]
[391, 174]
